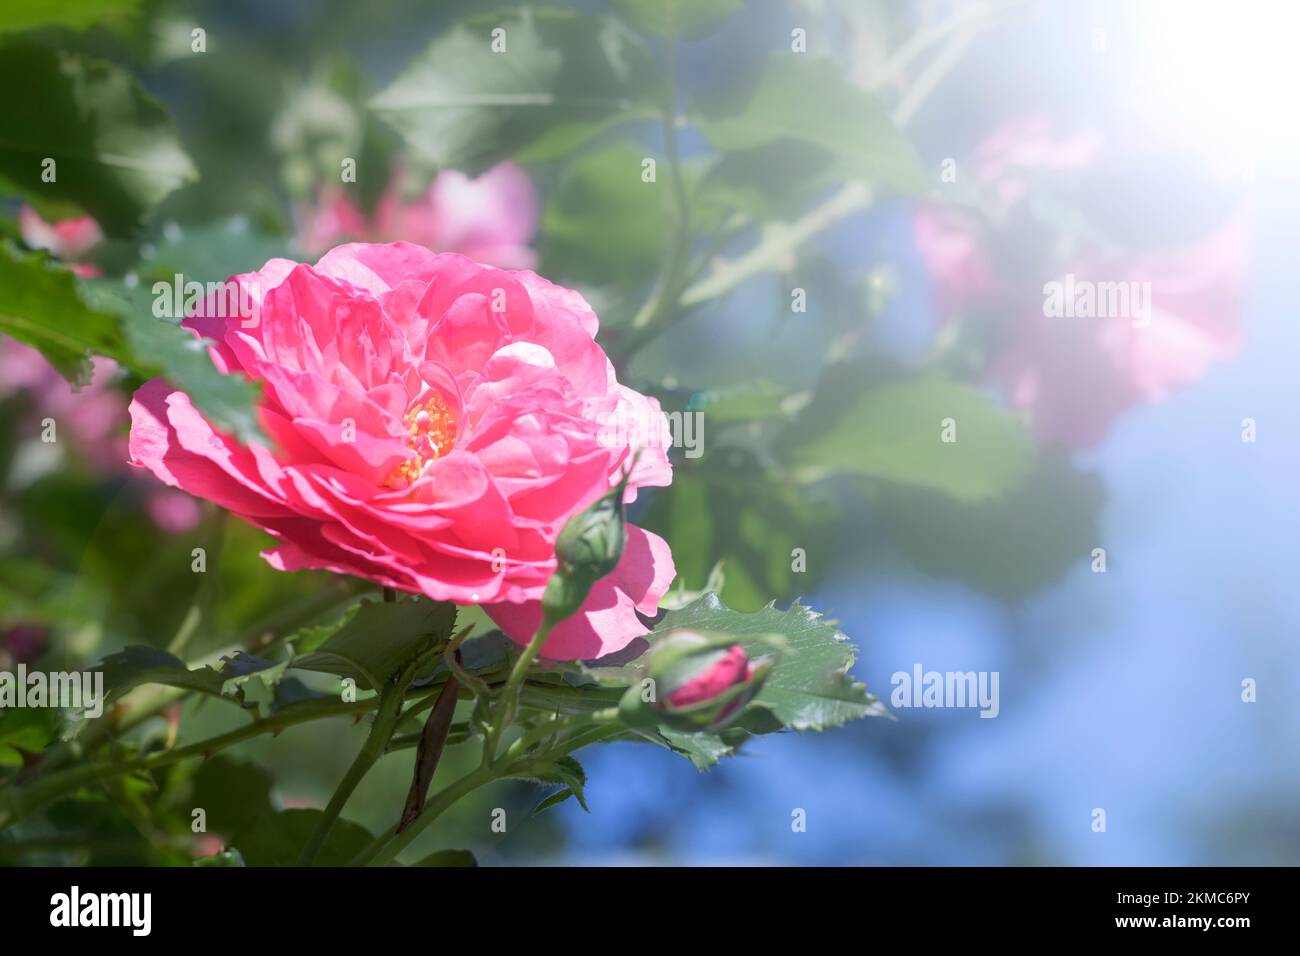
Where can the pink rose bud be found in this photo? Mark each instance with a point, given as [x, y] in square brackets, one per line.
[729, 668]
[701, 682]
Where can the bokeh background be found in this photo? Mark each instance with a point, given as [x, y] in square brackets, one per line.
[1121, 141]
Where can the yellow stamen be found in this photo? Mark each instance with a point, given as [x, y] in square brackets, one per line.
[431, 433]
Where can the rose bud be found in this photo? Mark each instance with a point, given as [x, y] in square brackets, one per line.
[699, 682]
[588, 548]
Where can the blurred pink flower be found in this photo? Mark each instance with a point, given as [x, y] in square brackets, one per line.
[491, 219]
[172, 511]
[92, 416]
[436, 422]
[65, 239]
[1075, 375]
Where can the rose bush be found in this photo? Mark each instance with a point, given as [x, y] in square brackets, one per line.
[433, 422]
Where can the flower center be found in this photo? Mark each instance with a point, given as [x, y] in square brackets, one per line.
[431, 433]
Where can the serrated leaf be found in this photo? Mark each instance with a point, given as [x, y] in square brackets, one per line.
[809, 687]
[381, 638]
[809, 99]
[561, 76]
[553, 800]
[255, 680]
[703, 749]
[116, 153]
[894, 431]
[41, 306]
[566, 772]
[138, 664]
[162, 347]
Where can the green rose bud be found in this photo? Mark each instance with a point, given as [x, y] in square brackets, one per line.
[588, 548]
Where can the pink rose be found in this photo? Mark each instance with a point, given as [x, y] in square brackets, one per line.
[1076, 374]
[492, 218]
[435, 422]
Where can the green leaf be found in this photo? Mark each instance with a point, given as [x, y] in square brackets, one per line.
[277, 840]
[162, 347]
[380, 639]
[69, 319]
[40, 306]
[18, 15]
[554, 800]
[687, 18]
[561, 77]
[808, 99]
[602, 224]
[26, 729]
[448, 858]
[116, 153]
[809, 687]
[894, 430]
[566, 772]
[704, 749]
[138, 664]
